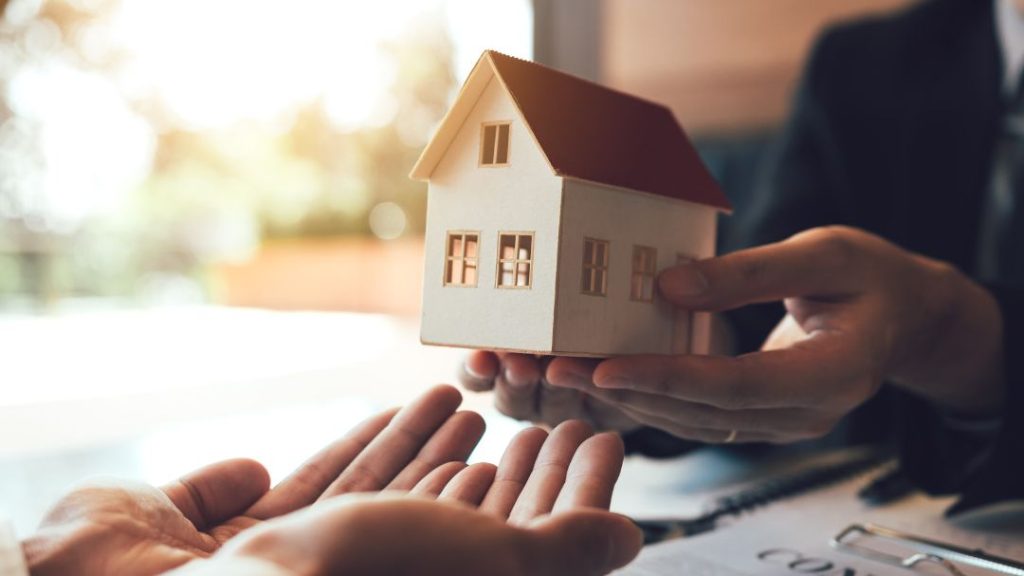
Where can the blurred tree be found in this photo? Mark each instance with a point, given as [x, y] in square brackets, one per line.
[32, 241]
[210, 194]
[371, 165]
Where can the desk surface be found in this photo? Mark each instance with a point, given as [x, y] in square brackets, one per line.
[149, 395]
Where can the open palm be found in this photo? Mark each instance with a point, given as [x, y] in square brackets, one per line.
[126, 529]
[542, 511]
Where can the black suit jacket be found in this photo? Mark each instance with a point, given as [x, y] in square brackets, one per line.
[893, 131]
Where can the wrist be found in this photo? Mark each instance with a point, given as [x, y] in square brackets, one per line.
[45, 555]
[955, 358]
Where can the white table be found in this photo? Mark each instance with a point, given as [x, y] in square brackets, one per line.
[151, 394]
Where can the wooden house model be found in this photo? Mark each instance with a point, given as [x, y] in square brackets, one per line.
[553, 203]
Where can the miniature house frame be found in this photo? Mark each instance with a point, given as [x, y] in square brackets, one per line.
[553, 202]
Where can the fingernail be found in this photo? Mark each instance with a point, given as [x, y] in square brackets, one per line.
[515, 380]
[469, 370]
[685, 280]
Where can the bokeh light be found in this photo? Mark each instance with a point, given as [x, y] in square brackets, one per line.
[144, 139]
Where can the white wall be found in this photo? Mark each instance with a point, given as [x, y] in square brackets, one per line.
[524, 196]
[614, 324]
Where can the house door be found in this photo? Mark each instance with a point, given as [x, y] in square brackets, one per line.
[682, 327]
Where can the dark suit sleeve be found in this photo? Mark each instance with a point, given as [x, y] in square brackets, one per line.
[1000, 475]
[806, 185]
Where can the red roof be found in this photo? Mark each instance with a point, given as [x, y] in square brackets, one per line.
[594, 133]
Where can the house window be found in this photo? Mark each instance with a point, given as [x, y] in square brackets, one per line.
[515, 259]
[642, 285]
[461, 259]
[494, 144]
[595, 267]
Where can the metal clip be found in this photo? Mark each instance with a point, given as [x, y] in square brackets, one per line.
[920, 550]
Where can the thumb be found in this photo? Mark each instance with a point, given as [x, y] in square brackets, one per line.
[219, 491]
[823, 262]
[585, 542]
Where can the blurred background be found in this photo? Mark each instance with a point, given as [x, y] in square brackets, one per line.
[206, 224]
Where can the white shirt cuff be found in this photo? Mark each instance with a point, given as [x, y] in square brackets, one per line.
[12, 560]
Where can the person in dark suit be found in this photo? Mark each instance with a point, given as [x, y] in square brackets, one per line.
[888, 226]
[909, 127]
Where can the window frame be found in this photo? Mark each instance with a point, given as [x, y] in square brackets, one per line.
[650, 274]
[450, 259]
[516, 261]
[497, 137]
[590, 269]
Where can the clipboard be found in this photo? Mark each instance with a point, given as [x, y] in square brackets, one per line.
[784, 525]
[898, 548]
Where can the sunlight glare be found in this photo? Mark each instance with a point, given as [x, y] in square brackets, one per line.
[97, 148]
[477, 26]
[217, 62]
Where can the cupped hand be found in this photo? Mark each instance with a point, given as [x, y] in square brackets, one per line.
[523, 389]
[127, 528]
[860, 311]
[542, 510]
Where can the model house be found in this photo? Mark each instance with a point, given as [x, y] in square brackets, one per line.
[553, 203]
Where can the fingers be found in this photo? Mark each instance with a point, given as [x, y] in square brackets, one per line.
[470, 485]
[309, 481]
[549, 471]
[217, 492]
[454, 441]
[571, 372]
[796, 422]
[559, 402]
[517, 387]
[578, 373]
[709, 435]
[824, 262]
[784, 378]
[592, 474]
[403, 438]
[586, 542]
[479, 370]
[522, 390]
[606, 416]
[432, 484]
[513, 472]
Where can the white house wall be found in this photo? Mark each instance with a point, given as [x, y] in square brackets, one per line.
[614, 324]
[524, 196]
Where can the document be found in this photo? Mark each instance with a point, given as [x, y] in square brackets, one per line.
[792, 537]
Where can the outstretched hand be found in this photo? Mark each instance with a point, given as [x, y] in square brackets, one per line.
[541, 511]
[860, 311]
[126, 528]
